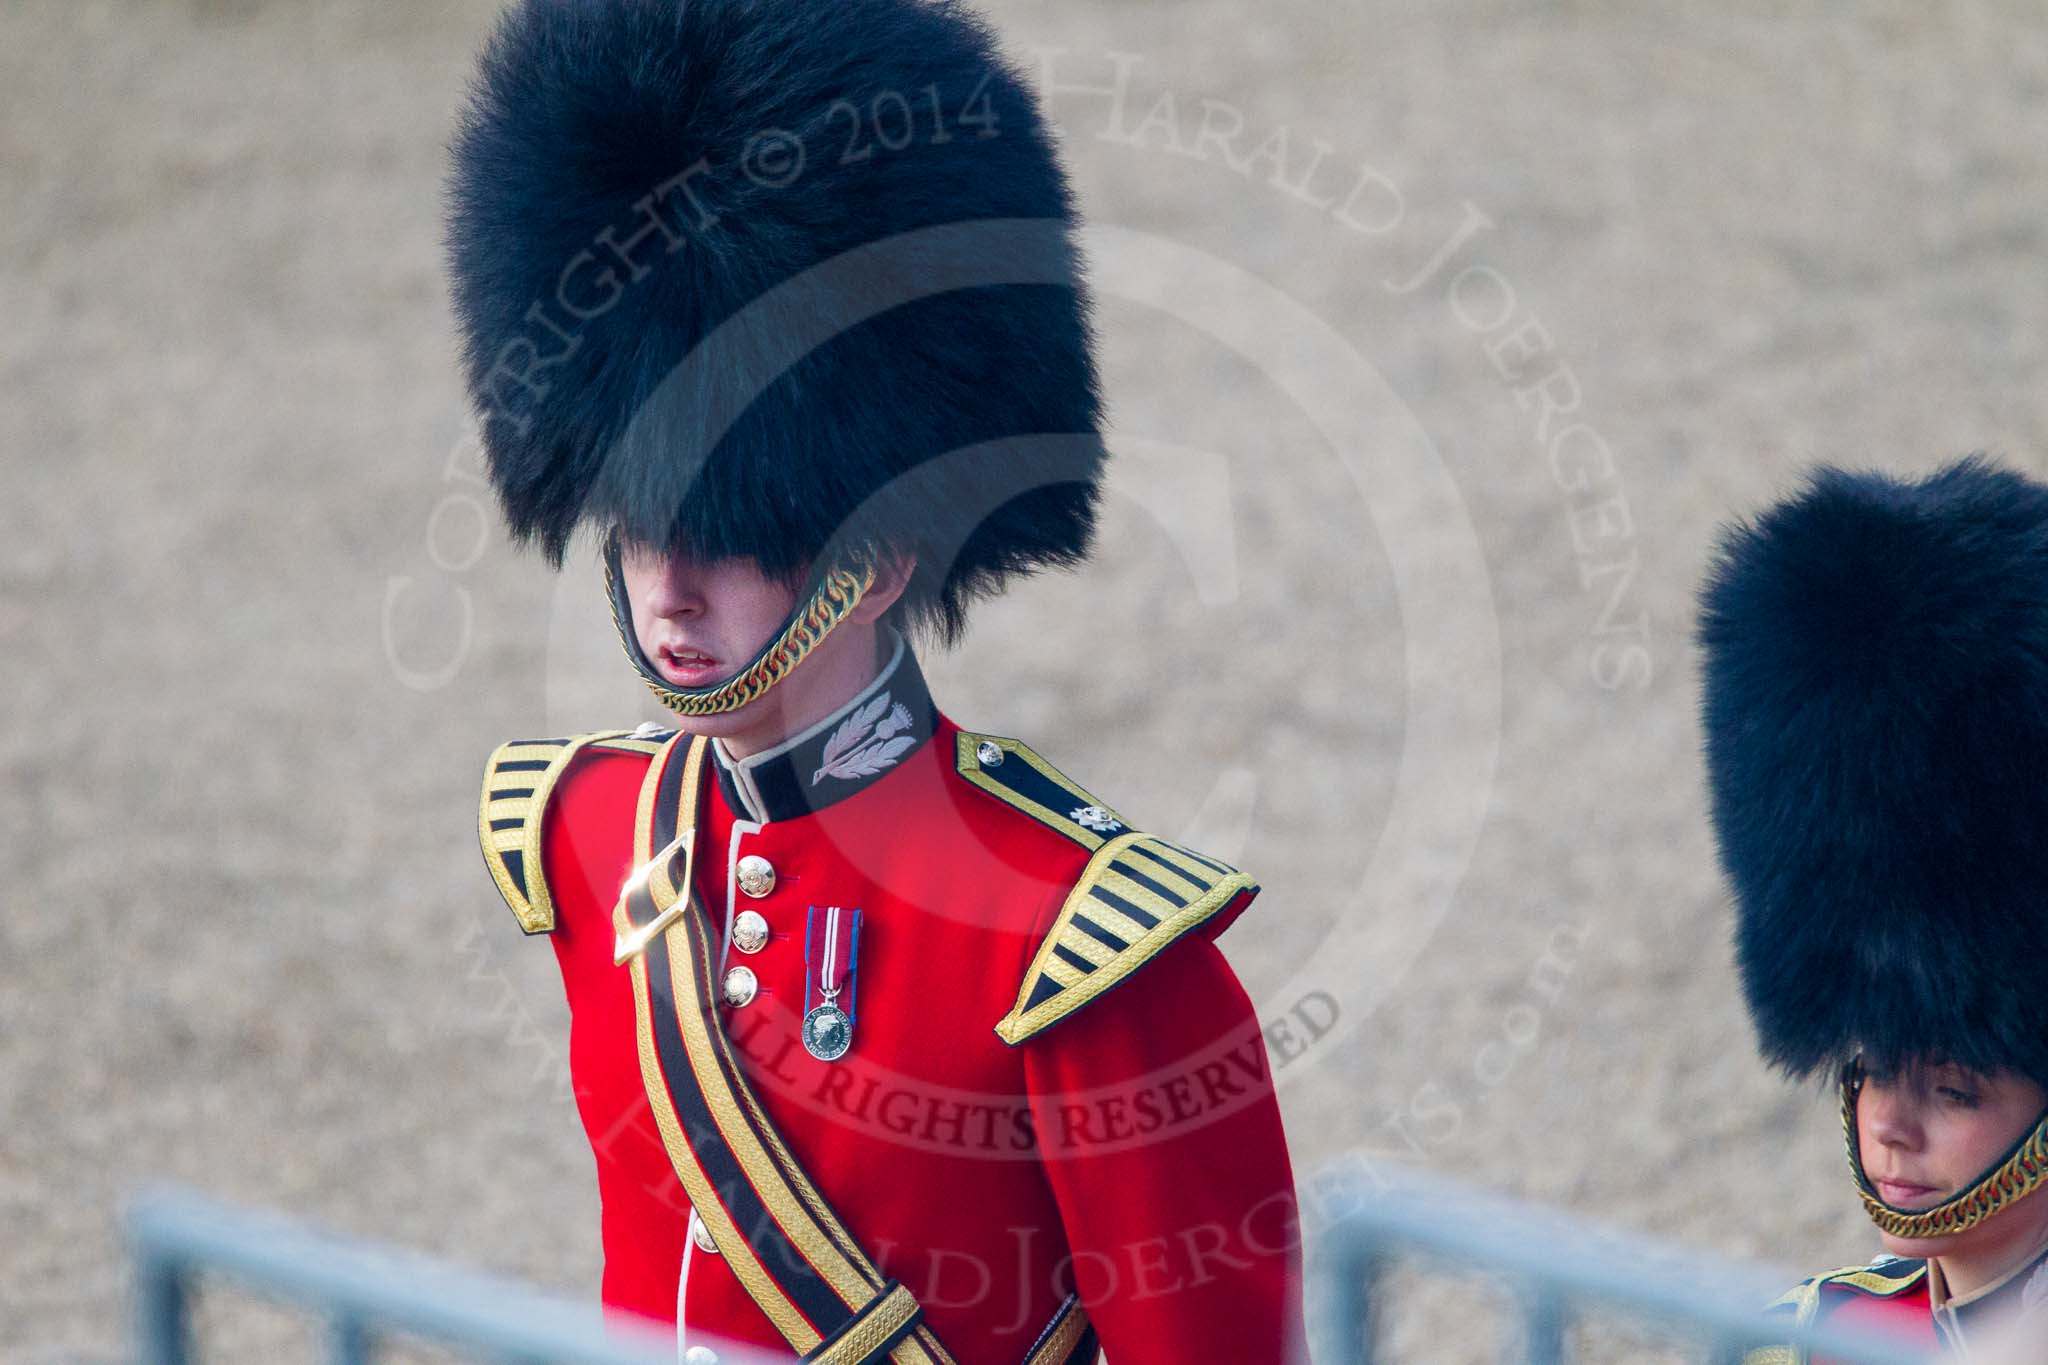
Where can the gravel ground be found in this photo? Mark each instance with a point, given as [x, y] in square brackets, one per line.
[1433, 365]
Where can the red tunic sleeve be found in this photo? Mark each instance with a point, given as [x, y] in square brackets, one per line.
[1162, 1141]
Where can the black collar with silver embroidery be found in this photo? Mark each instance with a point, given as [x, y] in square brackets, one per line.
[842, 754]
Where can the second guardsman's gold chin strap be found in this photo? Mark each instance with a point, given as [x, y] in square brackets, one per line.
[2019, 1173]
[833, 595]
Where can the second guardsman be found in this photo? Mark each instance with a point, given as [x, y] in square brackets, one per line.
[1876, 709]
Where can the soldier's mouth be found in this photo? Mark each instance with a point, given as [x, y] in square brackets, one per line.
[687, 667]
[1903, 1194]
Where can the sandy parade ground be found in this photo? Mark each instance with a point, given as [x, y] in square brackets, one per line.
[1438, 338]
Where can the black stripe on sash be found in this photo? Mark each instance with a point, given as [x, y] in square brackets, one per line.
[665, 794]
[808, 1290]
[813, 1297]
[756, 1123]
[1085, 1349]
[736, 1081]
[880, 1351]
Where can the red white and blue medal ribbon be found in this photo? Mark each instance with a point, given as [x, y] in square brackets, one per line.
[831, 956]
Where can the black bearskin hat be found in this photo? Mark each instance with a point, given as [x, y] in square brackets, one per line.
[1876, 717]
[775, 279]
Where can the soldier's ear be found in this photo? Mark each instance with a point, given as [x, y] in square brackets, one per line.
[893, 572]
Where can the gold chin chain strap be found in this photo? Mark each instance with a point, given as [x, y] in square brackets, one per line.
[2023, 1171]
[836, 595]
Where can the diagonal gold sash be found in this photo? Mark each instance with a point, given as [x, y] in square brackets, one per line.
[788, 1248]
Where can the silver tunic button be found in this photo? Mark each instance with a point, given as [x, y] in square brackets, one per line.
[990, 753]
[756, 875]
[749, 931]
[701, 1235]
[740, 986]
[700, 1355]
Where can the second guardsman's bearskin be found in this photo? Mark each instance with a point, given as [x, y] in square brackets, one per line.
[1876, 723]
[797, 283]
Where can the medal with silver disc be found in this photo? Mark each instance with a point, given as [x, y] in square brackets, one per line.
[828, 1032]
[830, 957]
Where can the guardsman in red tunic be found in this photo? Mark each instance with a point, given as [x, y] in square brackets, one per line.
[892, 1042]
[1876, 708]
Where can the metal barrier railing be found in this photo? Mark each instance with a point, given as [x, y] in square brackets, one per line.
[1557, 1266]
[365, 1293]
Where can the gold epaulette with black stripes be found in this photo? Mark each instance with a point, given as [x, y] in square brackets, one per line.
[1886, 1279]
[1137, 894]
[518, 780]
[1800, 1307]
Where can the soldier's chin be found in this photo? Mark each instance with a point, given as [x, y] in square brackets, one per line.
[1918, 1248]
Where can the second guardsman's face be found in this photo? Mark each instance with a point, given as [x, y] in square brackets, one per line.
[1927, 1133]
